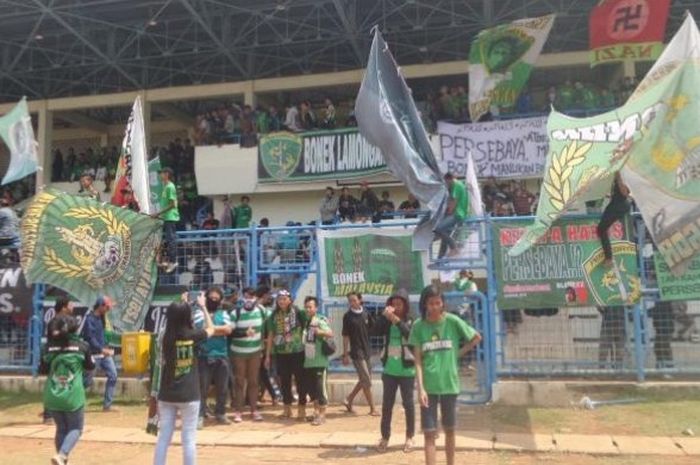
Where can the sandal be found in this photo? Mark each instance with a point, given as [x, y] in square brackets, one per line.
[408, 445]
[383, 445]
[348, 406]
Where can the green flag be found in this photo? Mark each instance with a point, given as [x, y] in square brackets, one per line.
[653, 139]
[17, 132]
[500, 62]
[90, 249]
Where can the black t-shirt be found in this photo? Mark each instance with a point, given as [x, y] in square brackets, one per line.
[356, 327]
[185, 384]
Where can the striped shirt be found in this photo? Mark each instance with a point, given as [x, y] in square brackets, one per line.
[241, 343]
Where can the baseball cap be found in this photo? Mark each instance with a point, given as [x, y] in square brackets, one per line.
[103, 300]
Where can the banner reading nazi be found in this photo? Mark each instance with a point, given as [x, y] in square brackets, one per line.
[90, 249]
[374, 263]
[317, 155]
[566, 267]
[627, 30]
[501, 149]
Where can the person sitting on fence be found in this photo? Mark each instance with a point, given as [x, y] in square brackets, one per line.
[616, 210]
[457, 209]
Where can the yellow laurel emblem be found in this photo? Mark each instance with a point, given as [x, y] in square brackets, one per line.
[56, 264]
[558, 178]
[114, 226]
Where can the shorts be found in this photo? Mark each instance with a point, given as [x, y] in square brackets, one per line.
[364, 373]
[448, 412]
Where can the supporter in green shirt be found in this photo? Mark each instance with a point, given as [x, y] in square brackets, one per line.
[315, 360]
[457, 210]
[242, 214]
[465, 282]
[439, 339]
[285, 329]
[170, 215]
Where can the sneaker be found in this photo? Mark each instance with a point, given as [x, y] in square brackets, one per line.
[222, 420]
[318, 421]
[200, 423]
[237, 418]
[110, 409]
[257, 416]
[58, 459]
[152, 428]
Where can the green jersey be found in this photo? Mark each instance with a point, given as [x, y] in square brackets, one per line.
[64, 391]
[394, 364]
[241, 343]
[216, 346]
[439, 344]
[242, 215]
[313, 352]
[461, 199]
[286, 329]
[167, 195]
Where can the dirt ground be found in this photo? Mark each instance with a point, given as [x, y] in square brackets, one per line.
[37, 452]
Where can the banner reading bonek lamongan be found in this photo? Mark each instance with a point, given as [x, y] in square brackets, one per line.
[500, 62]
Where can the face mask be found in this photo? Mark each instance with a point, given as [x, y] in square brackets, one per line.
[248, 304]
[212, 305]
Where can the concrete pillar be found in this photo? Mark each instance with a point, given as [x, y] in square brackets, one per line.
[249, 96]
[104, 140]
[44, 137]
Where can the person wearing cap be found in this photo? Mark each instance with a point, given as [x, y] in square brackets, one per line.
[170, 215]
[87, 188]
[94, 335]
[285, 328]
[399, 366]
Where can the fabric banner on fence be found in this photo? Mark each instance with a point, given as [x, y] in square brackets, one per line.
[15, 294]
[683, 287]
[502, 149]
[375, 263]
[500, 62]
[566, 267]
[317, 155]
[90, 249]
[627, 30]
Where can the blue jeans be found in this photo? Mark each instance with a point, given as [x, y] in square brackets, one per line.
[107, 365]
[169, 240]
[167, 412]
[443, 230]
[69, 427]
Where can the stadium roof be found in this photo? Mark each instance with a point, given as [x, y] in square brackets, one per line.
[58, 48]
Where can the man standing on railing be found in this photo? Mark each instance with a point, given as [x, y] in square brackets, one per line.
[329, 207]
[457, 209]
[170, 214]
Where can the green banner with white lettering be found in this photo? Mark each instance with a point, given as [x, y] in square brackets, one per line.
[565, 267]
[288, 157]
[374, 263]
[683, 287]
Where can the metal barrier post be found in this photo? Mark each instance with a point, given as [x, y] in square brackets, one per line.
[254, 255]
[491, 300]
[639, 344]
[317, 265]
[36, 327]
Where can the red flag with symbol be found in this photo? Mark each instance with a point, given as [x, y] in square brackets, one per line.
[622, 30]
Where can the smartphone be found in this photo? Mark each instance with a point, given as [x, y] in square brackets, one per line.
[192, 296]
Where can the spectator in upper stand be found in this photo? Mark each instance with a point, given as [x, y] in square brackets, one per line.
[329, 206]
[202, 130]
[57, 166]
[369, 203]
[229, 126]
[347, 205]
[242, 214]
[524, 103]
[566, 96]
[70, 165]
[445, 107]
[275, 121]
[248, 136]
[9, 225]
[385, 205]
[410, 205]
[351, 122]
[210, 223]
[607, 99]
[522, 201]
[292, 122]
[328, 121]
[87, 189]
[552, 100]
[307, 115]
[262, 120]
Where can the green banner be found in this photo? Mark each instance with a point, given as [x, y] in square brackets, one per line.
[317, 155]
[566, 267]
[90, 249]
[683, 287]
[376, 264]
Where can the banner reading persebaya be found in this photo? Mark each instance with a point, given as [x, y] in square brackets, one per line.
[654, 139]
[565, 268]
[90, 249]
[374, 263]
[500, 62]
[317, 155]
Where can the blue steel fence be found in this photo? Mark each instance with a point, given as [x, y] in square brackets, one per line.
[640, 342]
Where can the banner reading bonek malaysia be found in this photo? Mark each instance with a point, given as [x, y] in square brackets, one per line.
[375, 263]
[90, 249]
[654, 139]
[566, 267]
[500, 62]
[502, 149]
[317, 155]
